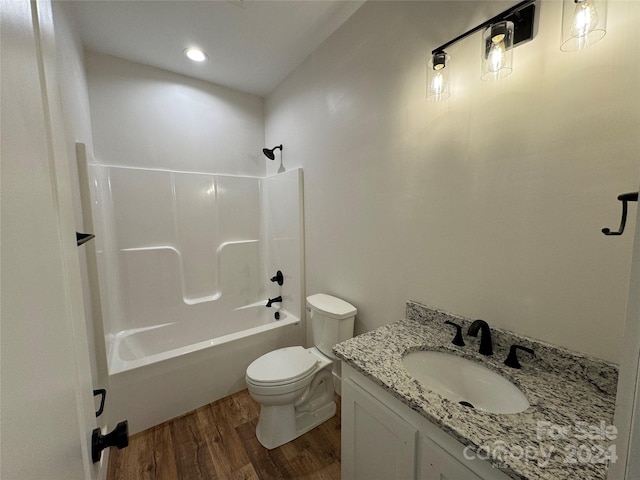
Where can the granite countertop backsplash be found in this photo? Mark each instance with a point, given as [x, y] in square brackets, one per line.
[567, 431]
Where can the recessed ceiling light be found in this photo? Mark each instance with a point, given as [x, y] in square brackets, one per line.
[195, 54]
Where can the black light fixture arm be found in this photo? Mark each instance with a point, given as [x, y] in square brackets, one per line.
[624, 198]
[514, 14]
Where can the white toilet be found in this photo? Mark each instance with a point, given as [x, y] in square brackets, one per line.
[294, 385]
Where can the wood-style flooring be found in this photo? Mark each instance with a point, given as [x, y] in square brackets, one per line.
[218, 441]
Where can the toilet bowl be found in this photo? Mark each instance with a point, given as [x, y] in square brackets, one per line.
[294, 385]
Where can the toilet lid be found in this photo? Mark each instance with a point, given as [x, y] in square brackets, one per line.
[284, 365]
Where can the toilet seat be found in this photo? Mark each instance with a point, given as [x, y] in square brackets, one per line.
[281, 367]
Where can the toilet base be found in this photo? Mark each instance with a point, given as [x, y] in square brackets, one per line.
[280, 424]
[308, 421]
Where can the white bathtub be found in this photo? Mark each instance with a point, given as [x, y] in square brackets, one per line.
[143, 346]
[158, 373]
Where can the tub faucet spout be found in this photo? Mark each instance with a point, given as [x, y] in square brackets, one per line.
[274, 300]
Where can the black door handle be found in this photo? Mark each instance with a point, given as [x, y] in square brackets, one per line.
[119, 437]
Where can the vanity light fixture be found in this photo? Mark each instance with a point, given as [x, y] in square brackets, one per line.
[195, 54]
[506, 30]
[584, 22]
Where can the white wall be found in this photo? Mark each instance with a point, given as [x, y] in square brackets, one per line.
[282, 222]
[175, 248]
[151, 118]
[488, 205]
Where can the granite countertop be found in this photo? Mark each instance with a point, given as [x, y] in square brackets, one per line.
[567, 431]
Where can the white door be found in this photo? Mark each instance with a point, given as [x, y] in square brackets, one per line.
[46, 402]
[627, 417]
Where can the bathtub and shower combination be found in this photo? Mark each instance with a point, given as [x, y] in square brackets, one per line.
[185, 262]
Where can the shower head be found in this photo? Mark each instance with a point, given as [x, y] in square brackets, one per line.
[269, 152]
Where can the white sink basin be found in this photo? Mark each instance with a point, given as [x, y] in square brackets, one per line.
[463, 381]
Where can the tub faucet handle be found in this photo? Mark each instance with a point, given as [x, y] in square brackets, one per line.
[279, 278]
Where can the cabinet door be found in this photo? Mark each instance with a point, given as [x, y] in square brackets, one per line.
[436, 464]
[376, 442]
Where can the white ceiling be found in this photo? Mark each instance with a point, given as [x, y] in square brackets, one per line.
[252, 44]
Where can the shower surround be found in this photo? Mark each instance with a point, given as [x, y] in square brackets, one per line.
[184, 262]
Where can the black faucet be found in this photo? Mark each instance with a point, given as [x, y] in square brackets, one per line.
[512, 358]
[486, 348]
[274, 300]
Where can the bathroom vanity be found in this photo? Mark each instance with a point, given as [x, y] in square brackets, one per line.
[383, 439]
[394, 426]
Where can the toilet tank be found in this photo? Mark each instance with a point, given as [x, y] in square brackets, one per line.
[331, 321]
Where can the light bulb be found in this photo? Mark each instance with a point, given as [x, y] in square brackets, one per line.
[585, 19]
[497, 55]
[195, 54]
[437, 83]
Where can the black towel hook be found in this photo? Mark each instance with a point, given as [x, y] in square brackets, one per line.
[624, 198]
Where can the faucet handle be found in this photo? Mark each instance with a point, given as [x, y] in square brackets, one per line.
[512, 358]
[457, 340]
[279, 278]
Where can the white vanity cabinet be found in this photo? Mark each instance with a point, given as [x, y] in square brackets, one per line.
[377, 443]
[384, 439]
